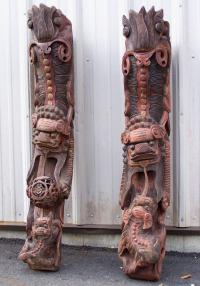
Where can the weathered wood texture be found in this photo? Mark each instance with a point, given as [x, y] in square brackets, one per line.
[145, 186]
[50, 175]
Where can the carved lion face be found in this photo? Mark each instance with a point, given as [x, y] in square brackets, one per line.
[147, 152]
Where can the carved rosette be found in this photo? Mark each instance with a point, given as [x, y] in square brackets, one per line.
[145, 185]
[50, 175]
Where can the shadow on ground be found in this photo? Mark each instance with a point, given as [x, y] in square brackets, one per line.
[90, 266]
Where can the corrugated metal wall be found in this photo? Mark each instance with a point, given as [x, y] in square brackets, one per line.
[98, 48]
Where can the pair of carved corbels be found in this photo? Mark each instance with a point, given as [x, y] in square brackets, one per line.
[145, 187]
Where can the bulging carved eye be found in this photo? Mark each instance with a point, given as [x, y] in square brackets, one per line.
[159, 27]
[162, 27]
[126, 24]
[126, 31]
[57, 21]
[30, 23]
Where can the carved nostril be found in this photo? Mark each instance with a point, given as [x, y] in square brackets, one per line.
[132, 147]
[151, 143]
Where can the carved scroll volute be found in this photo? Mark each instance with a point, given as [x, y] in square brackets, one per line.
[50, 175]
[145, 185]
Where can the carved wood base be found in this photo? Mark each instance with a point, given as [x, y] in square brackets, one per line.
[42, 248]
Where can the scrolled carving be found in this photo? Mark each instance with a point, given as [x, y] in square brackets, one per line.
[50, 176]
[145, 184]
[43, 192]
[64, 53]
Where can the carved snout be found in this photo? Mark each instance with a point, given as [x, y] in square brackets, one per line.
[144, 151]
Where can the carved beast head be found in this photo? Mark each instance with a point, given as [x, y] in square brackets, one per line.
[143, 141]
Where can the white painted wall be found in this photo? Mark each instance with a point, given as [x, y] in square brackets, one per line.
[98, 49]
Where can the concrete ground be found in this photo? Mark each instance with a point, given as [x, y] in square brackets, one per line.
[91, 267]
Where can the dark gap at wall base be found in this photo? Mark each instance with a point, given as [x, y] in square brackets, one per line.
[100, 229]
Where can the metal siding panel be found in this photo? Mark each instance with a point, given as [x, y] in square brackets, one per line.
[13, 115]
[117, 106]
[101, 205]
[98, 48]
[8, 201]
[88, 196]
[25, 105]
[20, 101]
[189, 116]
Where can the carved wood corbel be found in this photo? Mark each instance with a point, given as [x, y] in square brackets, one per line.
[145, 185]
[50, 176]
